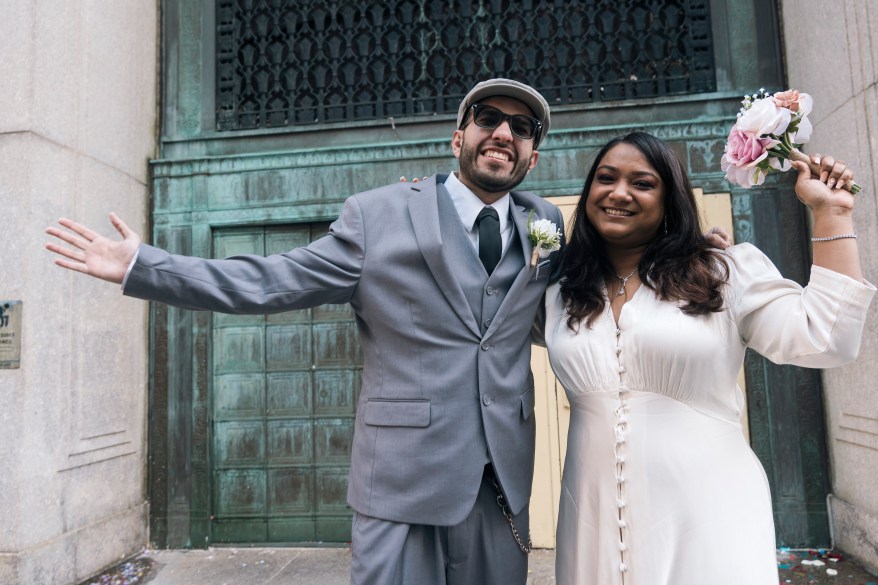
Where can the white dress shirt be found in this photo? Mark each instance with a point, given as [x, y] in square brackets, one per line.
[469, 206]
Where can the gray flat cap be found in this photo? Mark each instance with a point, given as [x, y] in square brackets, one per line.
[500, 87]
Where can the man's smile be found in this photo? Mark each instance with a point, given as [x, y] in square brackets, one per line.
[498, 155]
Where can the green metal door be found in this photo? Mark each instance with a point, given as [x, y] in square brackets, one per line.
[283, 403]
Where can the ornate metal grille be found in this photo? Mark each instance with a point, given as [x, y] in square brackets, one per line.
[292, 63]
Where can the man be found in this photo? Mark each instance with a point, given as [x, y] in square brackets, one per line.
[441, 278]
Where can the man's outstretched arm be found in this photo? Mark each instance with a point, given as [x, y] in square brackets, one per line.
[91, 253]
[326, 271]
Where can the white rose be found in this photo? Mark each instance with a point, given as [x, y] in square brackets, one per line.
[746, 177]
[544, 227]
[764, 117]
[803, 132]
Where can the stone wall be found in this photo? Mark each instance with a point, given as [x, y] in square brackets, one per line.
[832, 53]
[78, 96]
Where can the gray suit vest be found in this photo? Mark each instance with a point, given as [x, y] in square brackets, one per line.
[484, 294]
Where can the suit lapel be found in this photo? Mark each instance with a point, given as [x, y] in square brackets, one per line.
[519, 216]
[424, 212]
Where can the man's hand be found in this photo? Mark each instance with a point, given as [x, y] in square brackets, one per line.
[92, 253]
[718, 238]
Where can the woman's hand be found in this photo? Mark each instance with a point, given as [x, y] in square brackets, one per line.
[819, 193]
[834, 240]
[718, 237]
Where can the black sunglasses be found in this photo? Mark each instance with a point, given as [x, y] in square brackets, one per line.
[490, 117]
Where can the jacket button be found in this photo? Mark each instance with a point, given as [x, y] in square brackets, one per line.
[487, 322]
[486, 346]
[486, 400]
[490, 290]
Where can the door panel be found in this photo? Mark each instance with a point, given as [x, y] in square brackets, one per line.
[284, 399]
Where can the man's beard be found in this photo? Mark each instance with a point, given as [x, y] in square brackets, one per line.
[490, 181]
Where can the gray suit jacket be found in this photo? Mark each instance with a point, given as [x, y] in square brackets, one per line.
[443, 392]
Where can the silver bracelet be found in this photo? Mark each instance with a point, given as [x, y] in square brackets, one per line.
[838, 237]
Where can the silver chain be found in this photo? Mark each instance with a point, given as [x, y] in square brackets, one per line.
[624, 280]
[501, 501]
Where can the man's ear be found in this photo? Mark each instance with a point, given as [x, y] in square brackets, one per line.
[457, 142]
[534, 157]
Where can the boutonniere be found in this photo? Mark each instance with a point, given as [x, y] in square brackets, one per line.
[544, 236]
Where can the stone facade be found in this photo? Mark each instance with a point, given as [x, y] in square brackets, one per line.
[833, 55]
[78, 93]
[80, 107]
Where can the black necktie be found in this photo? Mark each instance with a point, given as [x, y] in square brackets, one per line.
[490, 249]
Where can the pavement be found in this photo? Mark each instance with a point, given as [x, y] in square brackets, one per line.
[331, 566]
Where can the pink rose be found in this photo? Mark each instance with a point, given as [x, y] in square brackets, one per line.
[800, 104]
[788, 99]
[744, 149]
[743, 152]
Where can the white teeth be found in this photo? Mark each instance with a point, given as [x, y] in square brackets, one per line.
[498, 155]
[619, 212]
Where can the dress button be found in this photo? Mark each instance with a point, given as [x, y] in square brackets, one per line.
[486, 400]
[618, 331]
[621, 369]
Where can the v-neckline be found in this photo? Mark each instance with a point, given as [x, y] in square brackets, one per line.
[617, 320]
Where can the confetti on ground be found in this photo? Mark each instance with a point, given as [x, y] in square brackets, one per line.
[812, 567]
[128, 573]
[796, 567]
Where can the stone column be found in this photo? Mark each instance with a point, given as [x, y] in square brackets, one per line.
[78, 90]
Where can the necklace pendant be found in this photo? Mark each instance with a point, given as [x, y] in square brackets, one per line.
[624, 281]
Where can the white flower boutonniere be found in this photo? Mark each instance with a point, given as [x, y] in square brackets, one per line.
[544, 236]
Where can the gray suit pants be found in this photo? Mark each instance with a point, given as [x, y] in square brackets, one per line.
[478, 551]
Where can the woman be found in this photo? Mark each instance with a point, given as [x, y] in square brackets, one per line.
[646, 331]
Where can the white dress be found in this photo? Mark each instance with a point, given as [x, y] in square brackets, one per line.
[659, 482]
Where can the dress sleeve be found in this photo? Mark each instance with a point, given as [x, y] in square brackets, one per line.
[818, 326]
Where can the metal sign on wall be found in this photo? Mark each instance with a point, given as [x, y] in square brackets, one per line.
[10, 334]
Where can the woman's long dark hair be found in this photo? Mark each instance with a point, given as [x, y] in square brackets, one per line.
[679, 264]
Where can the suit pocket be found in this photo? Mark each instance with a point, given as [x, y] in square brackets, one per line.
[528, 401]
[543, 269]
[397, 413]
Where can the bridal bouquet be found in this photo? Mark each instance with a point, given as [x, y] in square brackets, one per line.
[767, 135]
